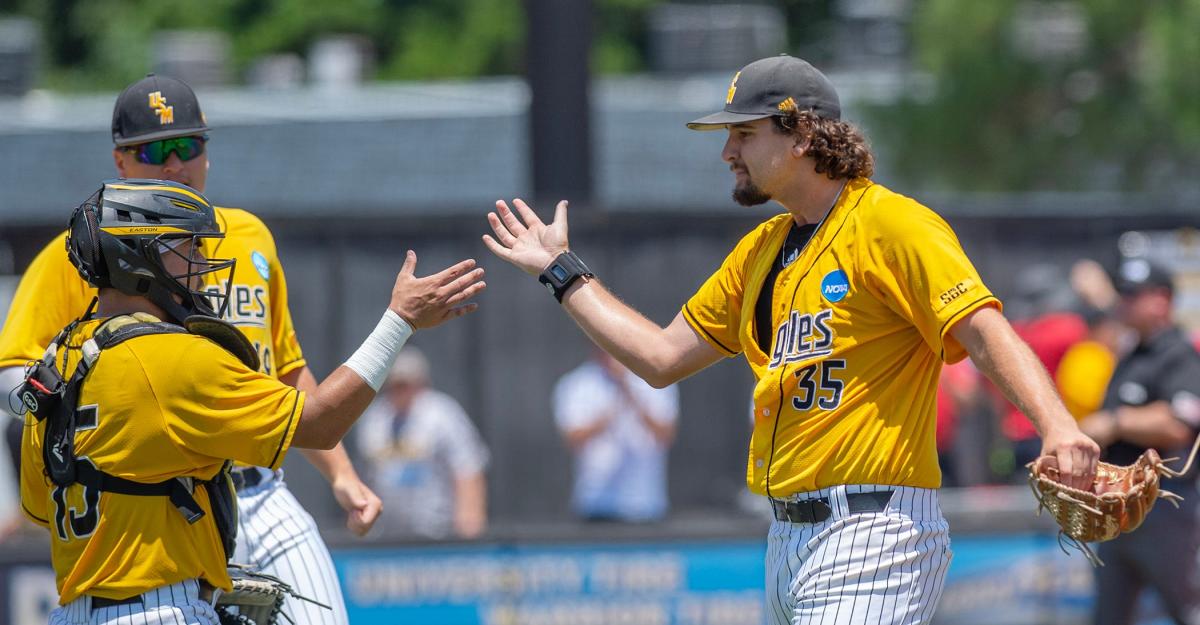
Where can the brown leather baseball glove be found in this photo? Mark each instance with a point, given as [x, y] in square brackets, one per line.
[1118, 501]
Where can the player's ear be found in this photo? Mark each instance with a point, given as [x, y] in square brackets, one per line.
[119, 161]
[799, 146]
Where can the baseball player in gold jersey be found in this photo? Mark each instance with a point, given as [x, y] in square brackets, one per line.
[160, 132]
[845, 309]
[170, 403]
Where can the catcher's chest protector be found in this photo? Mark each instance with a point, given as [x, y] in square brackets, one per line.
[50, 398]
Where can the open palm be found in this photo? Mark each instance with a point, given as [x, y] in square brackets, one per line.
[523, 240]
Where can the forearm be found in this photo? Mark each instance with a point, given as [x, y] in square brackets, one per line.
[333, 464]
[470, 505]
[1152, 425]
[578, 437]
[331, 409]
[635, 341]
[663, 433]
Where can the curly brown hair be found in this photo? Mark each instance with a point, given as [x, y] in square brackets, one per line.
[839, 148]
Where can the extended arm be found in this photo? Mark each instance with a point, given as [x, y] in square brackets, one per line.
[1005, 359]
[660, 356]
[417, 303]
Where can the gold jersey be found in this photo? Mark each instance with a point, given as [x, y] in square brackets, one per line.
[51, 295]
[153, 408]
[847, 394]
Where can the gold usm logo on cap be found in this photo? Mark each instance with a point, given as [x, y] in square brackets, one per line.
[166, 114]
[788, 105]
[732, 88]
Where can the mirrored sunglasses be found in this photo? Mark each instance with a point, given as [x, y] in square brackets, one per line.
[157, 152]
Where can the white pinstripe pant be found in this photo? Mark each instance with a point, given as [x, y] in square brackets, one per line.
[885, 568]
[277, 536]
[177, 604]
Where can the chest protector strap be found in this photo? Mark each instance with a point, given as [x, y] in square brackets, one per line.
[49, 397]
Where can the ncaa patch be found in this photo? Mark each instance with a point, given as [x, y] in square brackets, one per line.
[261, 264]
[835, 285]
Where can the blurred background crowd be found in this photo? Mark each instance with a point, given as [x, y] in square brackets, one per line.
[1056, 136]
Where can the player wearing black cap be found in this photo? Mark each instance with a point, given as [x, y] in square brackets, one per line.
[1152, 401]
[845, 307]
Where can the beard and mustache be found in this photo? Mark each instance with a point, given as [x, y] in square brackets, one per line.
[749, 194]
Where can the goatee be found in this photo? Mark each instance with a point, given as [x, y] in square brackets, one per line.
[750, 195]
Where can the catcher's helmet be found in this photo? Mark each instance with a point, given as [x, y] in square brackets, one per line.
[123, 235]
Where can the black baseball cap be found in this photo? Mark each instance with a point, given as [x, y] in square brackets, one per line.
[156, 107]
[772, 86]
[1137, 274]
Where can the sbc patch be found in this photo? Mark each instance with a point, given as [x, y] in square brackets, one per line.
[834, 286]
[261, 264]
[947, 297]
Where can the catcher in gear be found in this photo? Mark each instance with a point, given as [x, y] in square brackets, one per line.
[159, 131]
[138, 407]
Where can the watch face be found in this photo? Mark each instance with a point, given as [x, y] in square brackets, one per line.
[559, 273]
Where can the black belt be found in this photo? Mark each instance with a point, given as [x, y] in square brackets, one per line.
[101, 602]
[818, 510]
[246, 478]
[205, 594]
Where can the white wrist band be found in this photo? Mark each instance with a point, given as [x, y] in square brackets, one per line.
[376, 355]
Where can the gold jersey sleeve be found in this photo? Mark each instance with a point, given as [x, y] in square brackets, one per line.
[153, 408]
[846, 394]
[49, 296]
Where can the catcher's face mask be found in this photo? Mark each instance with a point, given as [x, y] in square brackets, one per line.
[202, 282]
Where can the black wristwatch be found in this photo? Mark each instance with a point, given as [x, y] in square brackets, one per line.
[562, 273]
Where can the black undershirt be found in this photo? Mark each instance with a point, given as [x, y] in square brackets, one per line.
[797, 238]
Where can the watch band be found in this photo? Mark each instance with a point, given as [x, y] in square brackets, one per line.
[560, 274]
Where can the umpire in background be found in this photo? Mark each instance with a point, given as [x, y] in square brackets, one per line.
[1152, 401]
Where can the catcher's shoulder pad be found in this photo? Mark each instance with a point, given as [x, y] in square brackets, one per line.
[224, 334]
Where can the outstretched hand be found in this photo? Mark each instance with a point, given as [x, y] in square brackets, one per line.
[429, 301]
[524, 240]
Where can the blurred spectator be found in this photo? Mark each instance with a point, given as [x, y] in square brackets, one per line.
[1042, 317]
[425, 457]
[619, 429]
[1153, 401]
[1087, 366]
[958, 395]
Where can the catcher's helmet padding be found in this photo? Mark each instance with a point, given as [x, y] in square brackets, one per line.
[119, 236]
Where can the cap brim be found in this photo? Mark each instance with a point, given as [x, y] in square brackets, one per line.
[161, 134]
[717, 121]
